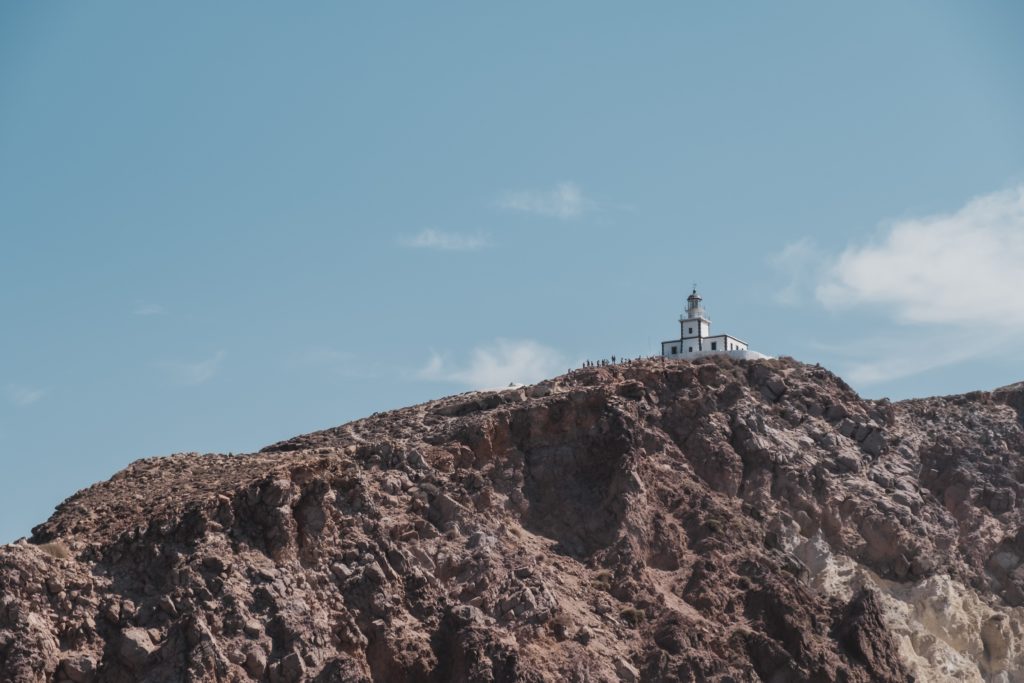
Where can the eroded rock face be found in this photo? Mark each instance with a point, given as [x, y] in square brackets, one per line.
[715, 521]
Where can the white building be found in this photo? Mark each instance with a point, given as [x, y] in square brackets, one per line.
[695, 338]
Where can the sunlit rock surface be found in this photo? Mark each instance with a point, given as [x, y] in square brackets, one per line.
[723, 520]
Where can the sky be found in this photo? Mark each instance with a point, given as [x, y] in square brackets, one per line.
[225, 224]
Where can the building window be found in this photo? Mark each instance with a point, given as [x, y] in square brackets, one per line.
[691, 349]
[714, 346]
[690, 331]
[674, 350]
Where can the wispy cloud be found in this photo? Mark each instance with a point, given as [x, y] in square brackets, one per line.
[148, 309]
[336, 362]
[322, 355]
[498, 364]
[565, 201]
[444, 241]
[905, 352]
[800, 264]
[937, 276]
[22, 395]
[194, 373]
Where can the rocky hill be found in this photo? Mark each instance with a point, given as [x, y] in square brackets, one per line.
[719, 521]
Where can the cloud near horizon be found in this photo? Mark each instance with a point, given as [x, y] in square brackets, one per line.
[444, 241]
[565, 201]
[961, 270]
[498, 364]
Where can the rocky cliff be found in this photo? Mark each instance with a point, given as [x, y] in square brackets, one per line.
[658, 521]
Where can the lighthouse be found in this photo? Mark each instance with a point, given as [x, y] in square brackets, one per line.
[695, 338]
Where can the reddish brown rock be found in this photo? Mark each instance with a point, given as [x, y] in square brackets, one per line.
[649, 521]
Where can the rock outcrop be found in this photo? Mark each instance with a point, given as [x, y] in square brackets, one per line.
[650, 521]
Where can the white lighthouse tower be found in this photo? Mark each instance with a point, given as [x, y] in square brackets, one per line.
[695, 338]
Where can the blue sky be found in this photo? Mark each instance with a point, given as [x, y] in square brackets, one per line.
[226, 224]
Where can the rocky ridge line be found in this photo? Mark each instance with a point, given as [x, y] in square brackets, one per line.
[710, 521]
